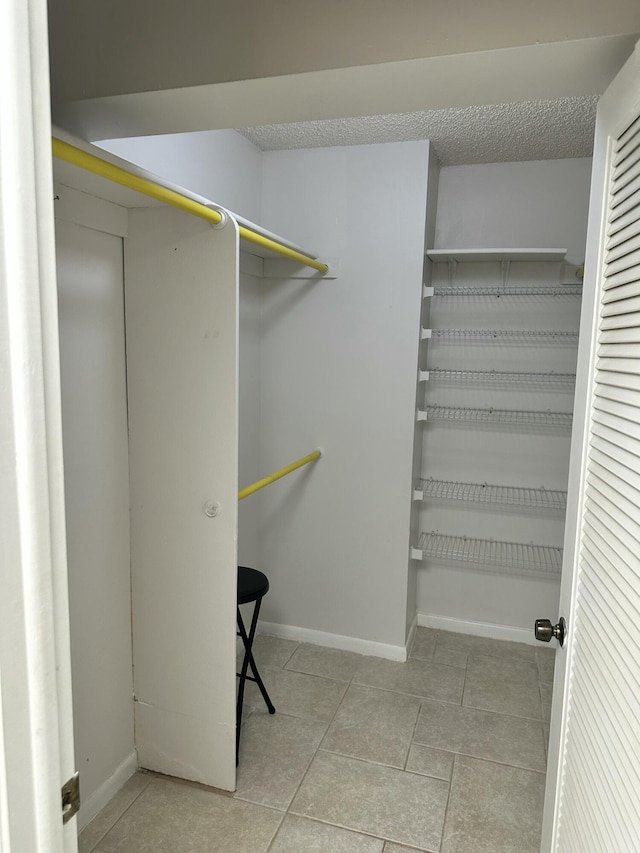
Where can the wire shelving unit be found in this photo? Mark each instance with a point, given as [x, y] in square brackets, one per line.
[518, 335]
[491, 493]
[495, 416]
[490, 554]
[494, 377]
[508, 290]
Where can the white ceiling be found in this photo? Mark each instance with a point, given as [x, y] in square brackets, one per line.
[531, 130]
[525, 103]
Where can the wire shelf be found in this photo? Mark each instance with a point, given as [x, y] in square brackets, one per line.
[448, 490]
[496, 377]
[497, 292]
[499, 334]
[518, 556]
[496, 416]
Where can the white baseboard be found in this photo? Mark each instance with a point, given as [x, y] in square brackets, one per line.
[94, 804]
[411, 633]
[334, 641]
[478, 629]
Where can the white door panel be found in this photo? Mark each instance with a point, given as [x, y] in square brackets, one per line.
[593, 781]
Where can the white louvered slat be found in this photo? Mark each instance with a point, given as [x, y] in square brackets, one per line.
[629, 203]
[614, 476]
[628, 141]
[624, 448]
[628, 183]
[622, 335]
[607, 671]
[626, 262]
[600, 795]
[621, 319]
[626, 172]
[626, 351]
[616, 409]
[625, 291]
[617, 497]
[622, 222]
[599, 551]
[621, 304]
[623, 575]
[623, 277]
[625, 233]
[603, 510]
[610, 748]
[621, 380]
[619, 394]
[625, 564]
[623, 427]
[615, 812]
[620, 365]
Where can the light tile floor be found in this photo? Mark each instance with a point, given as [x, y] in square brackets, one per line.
[445, 753]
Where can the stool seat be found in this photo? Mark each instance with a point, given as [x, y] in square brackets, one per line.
[252, 585]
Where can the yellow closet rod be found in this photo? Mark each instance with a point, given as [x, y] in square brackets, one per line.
[91, 163]
[266, 481]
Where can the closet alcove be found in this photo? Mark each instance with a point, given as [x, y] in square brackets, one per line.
[148, 307]
[330, 363]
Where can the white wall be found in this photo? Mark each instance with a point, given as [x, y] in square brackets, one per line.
[338, 370]
[94, 409]
[221, 165]
[501, 205]
[543, 203]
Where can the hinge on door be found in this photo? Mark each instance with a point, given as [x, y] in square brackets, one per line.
[71, 797]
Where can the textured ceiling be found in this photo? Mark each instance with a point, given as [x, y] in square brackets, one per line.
[531, 130]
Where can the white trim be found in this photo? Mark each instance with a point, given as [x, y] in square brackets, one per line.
[334, 641]
[411, 633]
[478, 629]
[5, 840]
[107, 791]
[34, 645]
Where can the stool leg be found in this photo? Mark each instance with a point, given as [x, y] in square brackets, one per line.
[247, 641]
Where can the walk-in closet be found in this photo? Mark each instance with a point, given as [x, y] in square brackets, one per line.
[421, 365]
[333, 317]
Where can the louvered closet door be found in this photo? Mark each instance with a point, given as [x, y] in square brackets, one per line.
[596, 723]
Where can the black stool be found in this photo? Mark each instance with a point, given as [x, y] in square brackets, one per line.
[252, 586]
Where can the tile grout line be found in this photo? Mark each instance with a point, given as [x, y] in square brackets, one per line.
[317, 749]
[120, 816]
[446, 810]
[455, 762]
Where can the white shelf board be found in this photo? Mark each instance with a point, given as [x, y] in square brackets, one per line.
[480, 255]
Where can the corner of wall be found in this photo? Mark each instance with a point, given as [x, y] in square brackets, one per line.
[433, 182]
